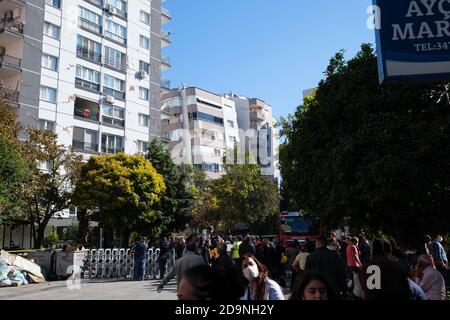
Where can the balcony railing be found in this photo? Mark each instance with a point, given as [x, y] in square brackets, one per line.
[166, 12]
[98, 3]
[9, 61]
[87, 85]
[89, 54]
[89, 26]
[116, 38]
[165, 60]
[165, 83]
[11, 25]
[115, 64]
[84, 146]
[115, 93]
[9, 95]
[165, 35]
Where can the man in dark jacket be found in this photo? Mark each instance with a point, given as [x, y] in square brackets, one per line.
[164, 253]
[328, 263]
[247, 247]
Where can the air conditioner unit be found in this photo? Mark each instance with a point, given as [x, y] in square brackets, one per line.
[141, 74]
[110, 99]
[111, 9]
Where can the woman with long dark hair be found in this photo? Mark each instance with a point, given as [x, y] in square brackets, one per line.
[312, 286]
[256, 282]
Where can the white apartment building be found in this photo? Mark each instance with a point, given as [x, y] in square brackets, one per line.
[257, 129]
[200, 127]
[90, 70]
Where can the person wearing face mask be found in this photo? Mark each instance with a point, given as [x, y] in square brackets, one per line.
[254, 277]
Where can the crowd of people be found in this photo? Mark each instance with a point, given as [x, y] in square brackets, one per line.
[326, 268]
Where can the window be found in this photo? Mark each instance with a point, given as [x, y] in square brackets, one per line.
[49, 62]
[89, 49]
[205, 117]
[46, 125]
[211, 167]
[113, 115]
[90, 16]
[48, 94]
[232, 139]
[114, 58]
[54, 3]
[88, 74]
[86, 109]
[144, 120]
[113, 83]
[143, 93]
[118, 4]
[144, 42]
[142, 147]
[51, 30]
[112, 144]
[230, 123]
[87, 79]
[90, 21]
[217, 152]
[113, 86]
[144, 66]
[115, 31]
[145, 17]
[85, 140]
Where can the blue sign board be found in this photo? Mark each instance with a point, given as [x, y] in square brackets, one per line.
[413, 40]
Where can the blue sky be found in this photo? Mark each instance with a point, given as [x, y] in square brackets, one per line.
[272, 50]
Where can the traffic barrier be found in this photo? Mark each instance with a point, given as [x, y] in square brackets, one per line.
[119, 263]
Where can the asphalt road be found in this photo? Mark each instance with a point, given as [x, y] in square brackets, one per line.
[90, 290]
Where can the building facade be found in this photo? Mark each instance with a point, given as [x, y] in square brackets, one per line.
[257, 129]
[90, 70]
[218, 123]
[200, 127]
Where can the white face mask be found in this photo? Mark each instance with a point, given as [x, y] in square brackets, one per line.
[251, 272]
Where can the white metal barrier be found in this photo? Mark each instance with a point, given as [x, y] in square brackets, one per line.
[119, 263]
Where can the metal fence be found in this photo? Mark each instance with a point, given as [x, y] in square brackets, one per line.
[119, 263]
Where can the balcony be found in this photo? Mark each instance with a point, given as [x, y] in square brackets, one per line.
[97, 3]
[9, 95]
[86, 110]
[165, 63]
[85, 146]
[115, 38]
[89, 26]
[10, 62]
[87, 85]
[89, 55]
[165, 84]
[165, 38]
[166, 16]
[115, 93]
[11, 25]
[257, 116]
[117, 65]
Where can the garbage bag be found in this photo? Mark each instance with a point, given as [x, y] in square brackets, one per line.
[5, 282]
[16, 276]
[3, 270]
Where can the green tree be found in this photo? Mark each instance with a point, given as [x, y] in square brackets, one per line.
[53, 169]
[175, 206]
[125, 190]
[376, 156]
[244, 195]
[13, 175]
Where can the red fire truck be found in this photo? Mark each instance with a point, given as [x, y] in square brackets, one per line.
[294, 227]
